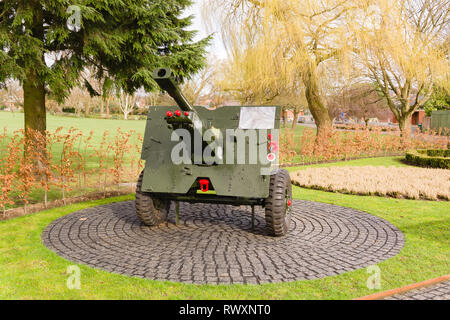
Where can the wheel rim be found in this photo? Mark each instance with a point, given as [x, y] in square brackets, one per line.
[159, 204]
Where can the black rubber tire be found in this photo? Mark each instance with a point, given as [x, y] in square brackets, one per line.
[151, 211]
[278, 212]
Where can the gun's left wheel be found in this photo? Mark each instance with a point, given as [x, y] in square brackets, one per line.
[150, 210]
[279, 204]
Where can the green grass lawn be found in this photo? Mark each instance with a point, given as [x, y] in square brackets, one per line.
[31, 271]
[298, 131]
[14, 121]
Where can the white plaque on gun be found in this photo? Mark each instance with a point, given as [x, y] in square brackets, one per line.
[257, 118]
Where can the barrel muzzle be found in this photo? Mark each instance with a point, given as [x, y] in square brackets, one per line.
[164, 77]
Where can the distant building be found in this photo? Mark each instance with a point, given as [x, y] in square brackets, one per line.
[289, 115]
[416, 119]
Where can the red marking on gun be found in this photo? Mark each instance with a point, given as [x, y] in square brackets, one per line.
[204, 185]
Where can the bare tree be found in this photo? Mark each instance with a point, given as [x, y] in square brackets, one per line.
[158, 99]
[293, 99]
[103, 88]
[127, 103]
[400, 44]
[12, 94]
[201, 83]
[362, 101]
[80, 100]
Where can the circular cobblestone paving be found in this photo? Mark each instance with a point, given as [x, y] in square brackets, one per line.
[216, 244]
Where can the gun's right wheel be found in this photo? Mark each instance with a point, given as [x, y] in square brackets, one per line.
[279, 203]
[151, 211]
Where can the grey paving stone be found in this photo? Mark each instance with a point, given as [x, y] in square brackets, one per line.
[215, 243]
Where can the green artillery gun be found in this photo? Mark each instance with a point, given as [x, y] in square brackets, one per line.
[222, 156]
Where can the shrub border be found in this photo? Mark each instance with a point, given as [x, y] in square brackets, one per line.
[429, 158]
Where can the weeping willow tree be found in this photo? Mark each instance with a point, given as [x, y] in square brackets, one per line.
[403, 47]
[284, 45]
[292, 45]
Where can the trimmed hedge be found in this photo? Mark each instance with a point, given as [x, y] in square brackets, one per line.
[69, 110]
[438, 153]
[429, 158]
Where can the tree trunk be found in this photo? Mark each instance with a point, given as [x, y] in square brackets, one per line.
[404, 123]
[294, 123]
[35, 120]
[87, 109]
[33, 86]
[319, 113]
[284, 116]
[107, 100]
[34, 104]
[317, 105]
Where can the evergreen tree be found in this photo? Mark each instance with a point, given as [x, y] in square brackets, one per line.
[439, 100]
[46, 44]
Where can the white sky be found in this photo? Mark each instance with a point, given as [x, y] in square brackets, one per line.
[216, 48]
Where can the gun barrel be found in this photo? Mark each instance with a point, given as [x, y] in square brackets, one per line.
[165, 79]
